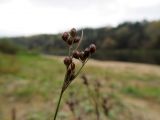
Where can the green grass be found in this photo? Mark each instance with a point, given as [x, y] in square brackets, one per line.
[146, 92]
[37, 75]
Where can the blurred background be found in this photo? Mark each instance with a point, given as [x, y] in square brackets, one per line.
[126, 63]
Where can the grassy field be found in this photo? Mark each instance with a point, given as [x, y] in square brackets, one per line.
[30, 85]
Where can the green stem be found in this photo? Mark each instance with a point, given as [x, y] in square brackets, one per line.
[59, 101]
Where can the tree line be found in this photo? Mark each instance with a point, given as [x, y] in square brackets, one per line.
[129, 41]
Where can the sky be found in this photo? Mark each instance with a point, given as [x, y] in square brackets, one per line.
[29, 17]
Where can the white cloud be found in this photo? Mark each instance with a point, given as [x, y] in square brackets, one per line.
[25, 17]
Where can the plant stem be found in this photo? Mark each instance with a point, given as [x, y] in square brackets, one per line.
[95, 102]
[59, 101]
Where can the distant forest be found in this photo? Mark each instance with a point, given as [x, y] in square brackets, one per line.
[129, 41]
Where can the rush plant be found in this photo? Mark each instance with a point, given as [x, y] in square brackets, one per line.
[97, 99]
[73, 42]
[94, 97]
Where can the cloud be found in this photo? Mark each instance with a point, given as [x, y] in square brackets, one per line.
[4, 1]
[71, 4]
[26, 17]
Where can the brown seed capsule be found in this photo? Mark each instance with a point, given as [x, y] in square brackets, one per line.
[106, 105]
[65, 36]
[73, 32]
[72, 66]
[67, 61]
[92, 48]
[71, 105]
[86, 52]
[69, 41]
[76, 39]
[75, 54]
[81, 55]
[69, 70]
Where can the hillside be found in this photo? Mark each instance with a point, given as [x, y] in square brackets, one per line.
[30, 85]
[129, 41]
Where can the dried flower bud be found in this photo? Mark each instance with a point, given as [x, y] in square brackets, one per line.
[69, 41]
[69, 70]
[86, 52]
[71, 104]
[65, 36]
[72, 66]
[73, 32]
[76, 39]
[67, 61]
[106, 106]
[85, 80]
[92, 48]
[81, 55]
[75, 54]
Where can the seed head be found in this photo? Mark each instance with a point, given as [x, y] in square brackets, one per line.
[92, 48]
[86, 52]
[69, 70]
[81, 55]
[106, 106]
[75, 54]
[69, 41]
[71, 105]
[76, 39]
[72, 66]
[73, 32]
[65, 36]
[67, 61]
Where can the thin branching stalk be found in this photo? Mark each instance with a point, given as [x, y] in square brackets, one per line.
[95, 102]
[58, 104]
[93, 97]
[71, 38]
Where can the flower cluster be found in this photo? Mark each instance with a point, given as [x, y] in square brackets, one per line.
[83, 55]
[71, 38]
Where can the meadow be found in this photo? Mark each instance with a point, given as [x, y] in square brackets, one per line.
[30, 85]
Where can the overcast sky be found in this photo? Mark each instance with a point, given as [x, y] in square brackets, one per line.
[28, 17]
